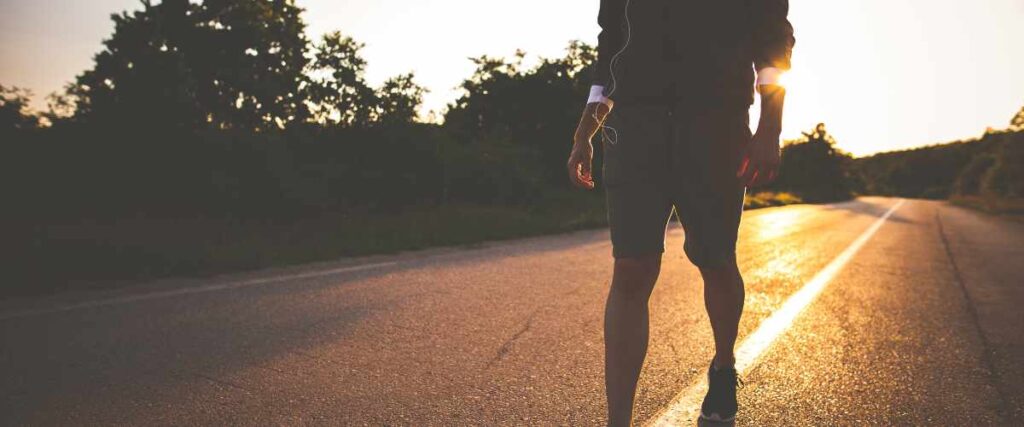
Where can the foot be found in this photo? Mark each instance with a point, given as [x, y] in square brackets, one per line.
[720, 402]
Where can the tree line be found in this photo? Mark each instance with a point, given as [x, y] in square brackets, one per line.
[991, 166]
[227, 108]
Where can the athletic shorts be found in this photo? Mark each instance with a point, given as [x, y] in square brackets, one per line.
[660, 157]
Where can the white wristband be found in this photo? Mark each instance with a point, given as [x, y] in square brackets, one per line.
[768, 76]
[597, 95]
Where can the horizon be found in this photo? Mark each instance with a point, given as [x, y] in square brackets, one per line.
[923, 75]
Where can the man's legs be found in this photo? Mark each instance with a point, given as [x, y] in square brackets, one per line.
[710, 208]
[723, 299]
[626, 332]
[639, 207]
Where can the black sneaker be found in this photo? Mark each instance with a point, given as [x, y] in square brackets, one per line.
[720, 402]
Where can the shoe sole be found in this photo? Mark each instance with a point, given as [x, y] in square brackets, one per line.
[716, 418]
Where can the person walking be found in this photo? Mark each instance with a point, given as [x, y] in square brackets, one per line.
[671, 95]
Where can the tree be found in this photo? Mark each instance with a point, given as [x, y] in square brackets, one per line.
[252, 61]
[142, 76]
[338, 92]
[1006, 176]
[15, 115]
[399, 99]
[504, 95]
[1017, 123]
[536, 108]
[968, 182]
[339, 95]
[814, 168]
[218, 63]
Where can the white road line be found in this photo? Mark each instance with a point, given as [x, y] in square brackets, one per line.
[189, 291]
[685, 407]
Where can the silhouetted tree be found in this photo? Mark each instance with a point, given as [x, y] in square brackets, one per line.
[1017, 123]
[1006, 176]
[399, 99]
[814, 168]
[254, 61]
[968, 182]
[338, 92]
[61, 107]
[218, 63]
[339, 95]
[15, 114]
[992, 165]
[533, 110]
[142, 76]
[503, 96]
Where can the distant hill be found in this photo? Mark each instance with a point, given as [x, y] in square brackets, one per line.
[991, 166]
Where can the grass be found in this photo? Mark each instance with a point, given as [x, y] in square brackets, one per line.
[768, 199]
[95, 254]
[991, 204]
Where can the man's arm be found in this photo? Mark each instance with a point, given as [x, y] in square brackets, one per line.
[609, 42]
[772, 35]
[760, 164]
[582, 155]
[773, 46]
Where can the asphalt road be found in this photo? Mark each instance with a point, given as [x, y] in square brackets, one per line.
[921, 325]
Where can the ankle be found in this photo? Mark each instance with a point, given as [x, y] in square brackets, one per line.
[724, 361]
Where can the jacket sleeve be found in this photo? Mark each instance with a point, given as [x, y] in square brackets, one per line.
[609, 40]
[773, 34]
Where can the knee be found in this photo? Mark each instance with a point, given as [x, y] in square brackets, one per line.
[636, 275]
[725, 276]
[709, 258]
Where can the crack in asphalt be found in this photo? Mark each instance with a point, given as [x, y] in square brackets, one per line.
[506, 347]
[1003, 405]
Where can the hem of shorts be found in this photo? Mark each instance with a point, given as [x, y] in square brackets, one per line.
[636, 253]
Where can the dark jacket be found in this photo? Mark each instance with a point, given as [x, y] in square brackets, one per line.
[699, 51]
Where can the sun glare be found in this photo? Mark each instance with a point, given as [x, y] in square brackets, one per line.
[778, 223]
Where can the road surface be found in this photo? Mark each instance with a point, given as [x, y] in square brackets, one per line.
[915, 319]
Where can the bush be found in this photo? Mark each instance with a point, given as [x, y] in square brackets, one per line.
[969, 180]
[1006, 176]
[814, 169]
[962, 168]
[766, 199]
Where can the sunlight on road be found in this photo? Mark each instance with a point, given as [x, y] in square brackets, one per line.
[767, 284]
[684, 408]
[779, 269]
[776, 224]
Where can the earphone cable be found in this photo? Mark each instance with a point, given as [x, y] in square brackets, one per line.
[614, 81]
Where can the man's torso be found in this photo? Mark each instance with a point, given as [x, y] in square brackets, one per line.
[687, 50]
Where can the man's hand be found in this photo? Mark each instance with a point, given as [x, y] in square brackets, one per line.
[580, 160]
[760, 163]
[582, 155]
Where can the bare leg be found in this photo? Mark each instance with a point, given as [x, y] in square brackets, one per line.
[626, 332]
[723, 298]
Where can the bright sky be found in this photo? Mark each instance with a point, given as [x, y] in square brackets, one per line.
[881, 74]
